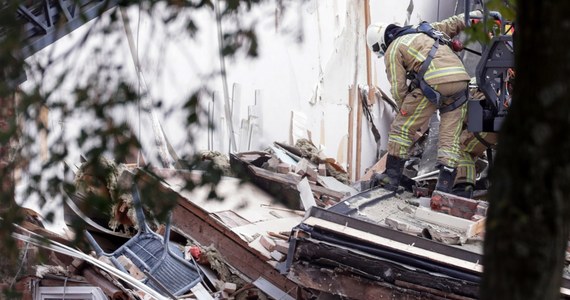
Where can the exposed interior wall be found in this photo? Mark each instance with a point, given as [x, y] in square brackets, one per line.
[308, 79]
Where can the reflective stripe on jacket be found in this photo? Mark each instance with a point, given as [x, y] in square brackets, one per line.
[406, 54]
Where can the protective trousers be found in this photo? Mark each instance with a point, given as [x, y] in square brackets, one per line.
[416, 110]
[471, 149]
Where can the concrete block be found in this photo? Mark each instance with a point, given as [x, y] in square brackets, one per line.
[278, 256]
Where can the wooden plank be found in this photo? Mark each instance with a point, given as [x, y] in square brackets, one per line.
[370, 82]
[291, 180]
[317, 253]
[351, 91]
[243, 136]
[109, 288]
[235, 108]
[359, 113]
[422, 289]
[351, 287]
[259, 111]
[365, 236]
[464, 226]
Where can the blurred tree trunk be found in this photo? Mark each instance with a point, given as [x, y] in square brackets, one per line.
[527, 225]
[7, 128]
[9, 212]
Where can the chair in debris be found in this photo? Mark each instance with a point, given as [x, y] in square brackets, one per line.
[166, 271]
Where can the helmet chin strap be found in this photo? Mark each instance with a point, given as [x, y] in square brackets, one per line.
[380, 53]
[378, 50]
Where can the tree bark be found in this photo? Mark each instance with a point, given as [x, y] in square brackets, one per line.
[528, 217]
[7, 127]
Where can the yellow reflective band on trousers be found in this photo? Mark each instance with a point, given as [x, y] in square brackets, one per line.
[403, 137]
[453, 155]
[466, 169]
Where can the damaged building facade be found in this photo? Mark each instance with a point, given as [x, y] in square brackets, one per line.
[294, 140]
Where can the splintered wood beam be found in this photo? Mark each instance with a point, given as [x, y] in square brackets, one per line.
[344, 285]
[327, 256]
[353, 287]
[359, 113]
[349, 158]
[288, 179]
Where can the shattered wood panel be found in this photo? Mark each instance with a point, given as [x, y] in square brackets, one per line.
[353, 287]
[193, 221]
[335, 257]
[290, 180]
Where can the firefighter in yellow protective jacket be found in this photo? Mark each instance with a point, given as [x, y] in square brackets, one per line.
[472, 146]
[425, 75]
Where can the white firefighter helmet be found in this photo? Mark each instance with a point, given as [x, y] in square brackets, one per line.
[375, 38]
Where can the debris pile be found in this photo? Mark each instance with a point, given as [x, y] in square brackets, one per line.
[295, 229]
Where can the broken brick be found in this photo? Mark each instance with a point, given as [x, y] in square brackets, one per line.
[457, 206]
[267, 242]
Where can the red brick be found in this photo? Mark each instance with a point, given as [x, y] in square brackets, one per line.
[457, 206]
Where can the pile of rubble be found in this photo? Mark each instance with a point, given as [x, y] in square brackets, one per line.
[236, 253]
[294, 229]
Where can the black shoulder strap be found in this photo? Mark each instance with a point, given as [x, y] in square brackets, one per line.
[424, 27]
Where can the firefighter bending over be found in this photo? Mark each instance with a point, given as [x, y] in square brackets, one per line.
[438, 81]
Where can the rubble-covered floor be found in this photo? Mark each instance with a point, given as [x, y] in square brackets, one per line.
[293, 230]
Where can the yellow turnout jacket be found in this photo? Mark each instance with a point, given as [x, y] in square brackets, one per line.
[407, 53]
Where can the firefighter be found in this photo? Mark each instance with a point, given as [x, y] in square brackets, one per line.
[474, 144]
[438, 81]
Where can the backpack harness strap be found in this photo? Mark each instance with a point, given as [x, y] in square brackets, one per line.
[418, 80]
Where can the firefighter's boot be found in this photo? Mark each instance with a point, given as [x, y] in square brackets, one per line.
[463, 189]
[445, 179]
[390, 179]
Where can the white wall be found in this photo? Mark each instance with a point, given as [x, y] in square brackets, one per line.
[310, 78]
